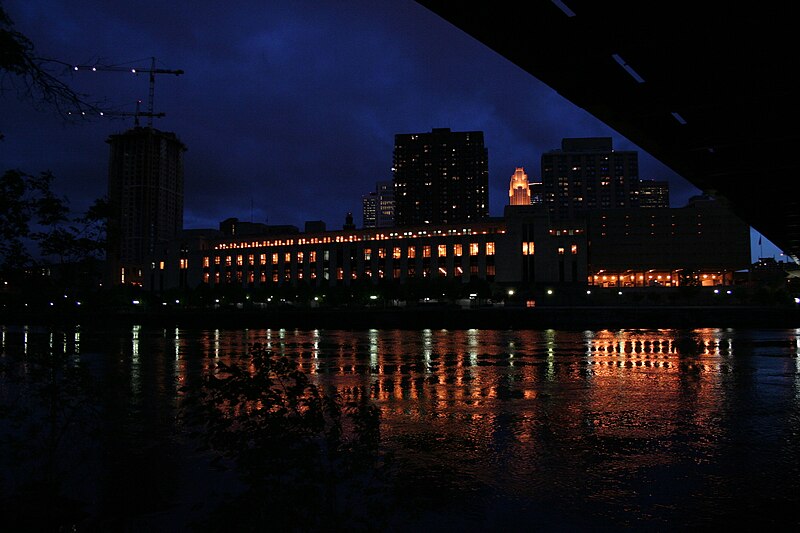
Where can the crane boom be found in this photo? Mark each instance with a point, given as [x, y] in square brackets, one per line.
[152, 71]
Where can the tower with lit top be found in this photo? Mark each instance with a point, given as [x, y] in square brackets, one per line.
[519, 190]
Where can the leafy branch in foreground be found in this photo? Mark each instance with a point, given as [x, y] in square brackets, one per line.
[30, 75]
[308, 460]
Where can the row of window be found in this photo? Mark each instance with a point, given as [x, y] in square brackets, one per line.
[397, 252]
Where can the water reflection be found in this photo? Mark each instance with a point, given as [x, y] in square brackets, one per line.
[639, 426]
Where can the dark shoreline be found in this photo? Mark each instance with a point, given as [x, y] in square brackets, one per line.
[444, 317]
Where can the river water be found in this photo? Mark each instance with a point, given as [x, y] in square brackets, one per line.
[520, 430]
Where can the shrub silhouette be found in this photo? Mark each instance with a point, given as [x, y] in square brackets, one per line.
[308, 460]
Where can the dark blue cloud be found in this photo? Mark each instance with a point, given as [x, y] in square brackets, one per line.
[288, 109]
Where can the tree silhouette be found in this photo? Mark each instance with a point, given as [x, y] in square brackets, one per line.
[291, 443]
[33, 78]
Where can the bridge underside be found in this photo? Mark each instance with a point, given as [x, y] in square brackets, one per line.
[712, 94]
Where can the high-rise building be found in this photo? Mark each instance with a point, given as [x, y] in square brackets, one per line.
[369, 208]
[378, 206]
[519, 191]
[588, 174]
[654, 193]
[441, 177]
[145, 193]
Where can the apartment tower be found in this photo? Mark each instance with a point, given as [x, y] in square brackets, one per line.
[441, 177]
[588, 174]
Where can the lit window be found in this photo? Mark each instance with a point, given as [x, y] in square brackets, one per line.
[205, 262]
[561, 251]
[412, 252]
[367, 254]
[574, 249]
[184, 264]
[239, 260]
[340, 273]
[216, 259]
[262, 259]
[206, 277]
[490, 269]
[457, 250]
[227, 260]
[527, 248]
[251, 260]
[426, 251]
[396, 254]
[382, 253]
[299, 257]
[275, 259]
[312, 257]
[396, 272]
[287, 257]
[473, 248]
[251, 277]
[442, 250]
[489, 248]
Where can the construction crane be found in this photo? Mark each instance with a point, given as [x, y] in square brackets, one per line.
[135, 115]
[152, 71]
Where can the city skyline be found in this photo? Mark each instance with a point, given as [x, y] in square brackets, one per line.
[288, 112]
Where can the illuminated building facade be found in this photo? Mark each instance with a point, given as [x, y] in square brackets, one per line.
[588, 174]
[703, 243]
[145, 193]
[653, 193]
[490, 251]
[378, 206]
[441, 177]
[519, 191]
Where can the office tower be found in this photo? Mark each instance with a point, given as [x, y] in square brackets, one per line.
[145, 193]
[378, 206]
[519, 191]
[441, 177]
[654, 193]
[588, 174]
[369, 208]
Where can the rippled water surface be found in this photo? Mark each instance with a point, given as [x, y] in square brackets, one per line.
[521, 430]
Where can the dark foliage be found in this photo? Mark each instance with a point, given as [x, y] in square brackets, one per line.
[308, 460]
[48, 414]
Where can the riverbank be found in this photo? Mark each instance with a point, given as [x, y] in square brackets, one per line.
[439, 317]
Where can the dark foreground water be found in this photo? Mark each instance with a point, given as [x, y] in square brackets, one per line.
[650, 430]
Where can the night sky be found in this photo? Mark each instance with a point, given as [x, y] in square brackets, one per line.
[288, 109]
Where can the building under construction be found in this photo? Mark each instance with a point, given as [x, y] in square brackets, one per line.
[145, 194]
